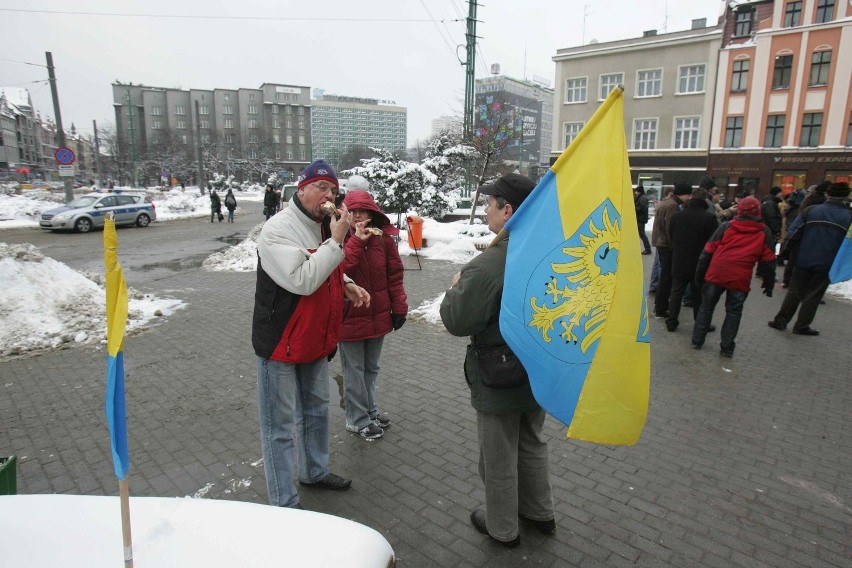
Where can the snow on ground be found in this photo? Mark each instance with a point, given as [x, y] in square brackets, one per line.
[24, 210]
[238, 258]
[45, 304]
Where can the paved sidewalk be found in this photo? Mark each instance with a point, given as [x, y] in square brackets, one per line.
[743, 462]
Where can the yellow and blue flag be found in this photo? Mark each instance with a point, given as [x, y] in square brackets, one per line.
[841, 268]
[116, 314]
[574, 309]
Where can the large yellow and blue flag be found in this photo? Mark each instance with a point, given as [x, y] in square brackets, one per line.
[116, 314]
[841, 268]
[574, 309]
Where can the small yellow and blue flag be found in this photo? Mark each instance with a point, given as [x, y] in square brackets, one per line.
[574, 309]
[841, 268]
[116, 314]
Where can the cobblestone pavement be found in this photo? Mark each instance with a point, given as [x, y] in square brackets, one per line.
[743, 462]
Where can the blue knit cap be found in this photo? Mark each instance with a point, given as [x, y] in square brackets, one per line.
[318, 170]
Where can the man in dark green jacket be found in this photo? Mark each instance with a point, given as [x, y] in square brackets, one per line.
[513, 457]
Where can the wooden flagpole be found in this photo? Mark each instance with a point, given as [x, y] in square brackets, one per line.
[124, 495]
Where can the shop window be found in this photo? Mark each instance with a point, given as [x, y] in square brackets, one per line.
[788, 180]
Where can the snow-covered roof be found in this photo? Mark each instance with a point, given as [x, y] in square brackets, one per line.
[17, 98]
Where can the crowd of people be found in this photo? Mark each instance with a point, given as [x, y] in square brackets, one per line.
[707, 247]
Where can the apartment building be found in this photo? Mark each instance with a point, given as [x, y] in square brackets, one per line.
[340, 123]
[783, 111]
[518, 114]
[271, 122]
[26, 148]
[669, 82]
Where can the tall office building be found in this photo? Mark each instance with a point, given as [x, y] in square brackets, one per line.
[340, 123]
[518, 115]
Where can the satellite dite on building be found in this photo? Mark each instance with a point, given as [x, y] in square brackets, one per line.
[84, 531]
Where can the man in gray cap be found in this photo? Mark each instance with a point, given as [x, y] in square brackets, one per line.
[513, 455]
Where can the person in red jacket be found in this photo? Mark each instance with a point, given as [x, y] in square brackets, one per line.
[372, 261]
[726, 265]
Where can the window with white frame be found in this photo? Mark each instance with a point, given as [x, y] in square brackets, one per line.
[276, 138]
[227, 109]
[252, 109]
[156, 110]
[301, 111]
[180, 109]
[686, 132]
[205, 139]
[274, 109]
[691, 79]
[575, 90]
[275, 123]
[184, 139]
[278, 153]
[252, 123]
[253, 153]
[644, 133]
[649, 83]
[251, 97]
[228, 123]
[289, 154]
[254, 138]
[301, 138]
[288, 138]
[609, 82]
[303, 154]
[301, 125]
[229, 138]
[204, 123]
[156, 125]
[571, 130]
[180, 124]
[288, 110]
[227, 97]
[203, 109]
[288, 123]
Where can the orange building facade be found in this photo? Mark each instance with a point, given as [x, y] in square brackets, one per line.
[783, 112]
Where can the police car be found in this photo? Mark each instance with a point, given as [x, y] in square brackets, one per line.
[88, 211]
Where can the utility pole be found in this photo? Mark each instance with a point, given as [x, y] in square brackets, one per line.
[60, 132]
[132, 138]
[198, 147]
[469, 87]
[100, 179]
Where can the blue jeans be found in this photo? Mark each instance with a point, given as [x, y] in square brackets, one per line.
[655, 273]
[734, 301]
[230, 215]
[289, 395]
[360, 362]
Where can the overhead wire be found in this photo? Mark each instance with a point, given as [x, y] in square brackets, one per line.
[440, 32]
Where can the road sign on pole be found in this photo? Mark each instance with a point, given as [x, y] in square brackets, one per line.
[66, 171]
[65, 156]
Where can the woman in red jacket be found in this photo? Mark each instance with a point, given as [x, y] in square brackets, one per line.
[372, 261]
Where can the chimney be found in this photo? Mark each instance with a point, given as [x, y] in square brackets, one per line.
[699, 23]
[649, 33]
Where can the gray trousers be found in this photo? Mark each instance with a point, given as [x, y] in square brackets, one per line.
[360, 362]
[513, 464]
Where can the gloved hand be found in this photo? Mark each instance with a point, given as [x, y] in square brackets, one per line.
[397, 320]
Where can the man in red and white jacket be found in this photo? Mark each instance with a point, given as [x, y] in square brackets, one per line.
[726, 265]
[298, 310]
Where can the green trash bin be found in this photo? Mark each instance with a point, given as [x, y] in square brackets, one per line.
[8, 482]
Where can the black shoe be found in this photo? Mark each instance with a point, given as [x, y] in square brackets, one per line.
[544, 527]
[646, 252]
[671, 326]
[382, 421]
[696, 346]
[330, 481]
[711, 328]
[775, 325]
[726, 352]
[661, 315]
[806, 331]
[477, 519]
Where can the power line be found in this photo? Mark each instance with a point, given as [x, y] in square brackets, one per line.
[213, 17]
[448, 43]
[23, 62]
[24, 83]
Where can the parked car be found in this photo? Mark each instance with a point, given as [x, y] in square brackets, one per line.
[88, 211]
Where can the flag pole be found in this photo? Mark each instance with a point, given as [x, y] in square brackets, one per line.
[124, 496]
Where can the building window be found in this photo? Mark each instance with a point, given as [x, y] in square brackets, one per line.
[792, 14]
[288, 110]
[609, 82]
[301, 111]
[774, 131]
[180, 124]
[205, 139]
[301, 138]
[734, 132]
[575, 90]
[253, 138]
[289, 154]
[571, 130]
[811, 129]
[686, 132]
[253, 153]
[742, 23]
[739, 76]
[227, 109]
[303, 154]
[275, 123]
[301, 125]
[155, 124]
[203, 109]
[251, 97]
[184, 139]
[276, 138]
[252, 109]
[229, 138]
[156, 111]
[288, 138]
[274, 109]
[252, 123]
[180, 109]
[204, 124]
[691, 79]
[825, 11]
[783, 71]
[288, 123]
[227, 97]
[229, 123]
[649, 83]
[278, 153]
[820, 66]
[644, 133]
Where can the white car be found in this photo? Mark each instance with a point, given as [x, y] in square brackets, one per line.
[88, 211]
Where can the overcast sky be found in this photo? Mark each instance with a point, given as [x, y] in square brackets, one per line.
[401, 50]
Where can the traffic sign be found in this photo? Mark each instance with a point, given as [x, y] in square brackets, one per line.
[66, 171]
[65, 156]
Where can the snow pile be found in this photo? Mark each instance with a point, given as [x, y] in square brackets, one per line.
[45, 303]
[25, 210]
[239, 258]
[428, 311]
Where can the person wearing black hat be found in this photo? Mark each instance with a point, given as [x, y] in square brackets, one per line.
[513, 454]
[662, 242]
[770, 211]
[640, 202]
[823, 228]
